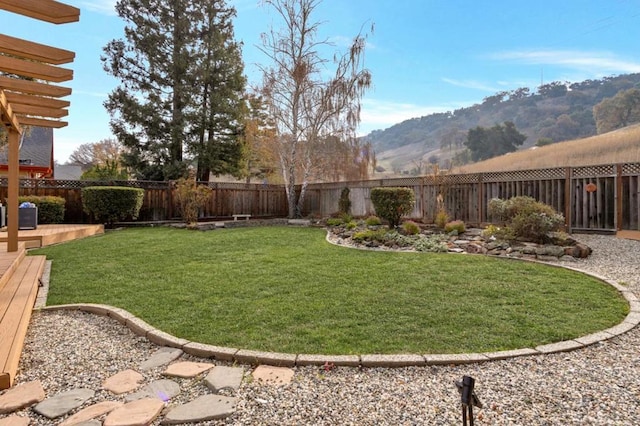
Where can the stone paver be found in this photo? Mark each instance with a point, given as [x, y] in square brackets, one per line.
[14, 421]
[203, 408]
[21, 396]
[269, 375]
[91, 412]
[161, 357]
[224, 378]
[163, 390]
[123, 382]
[63, 403]
[137, 413]
[187, 369]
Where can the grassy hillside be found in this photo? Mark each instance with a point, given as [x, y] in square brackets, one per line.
[619, 146]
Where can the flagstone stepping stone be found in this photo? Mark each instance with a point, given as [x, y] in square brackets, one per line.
[203, 408]
[163, 390]
[21, 396]
[222, 377]
[63, 403]
[161, 357]
[269, 375]
[14, 421]
[187, 369]
[124, 381]
[91, 412]
[137, 413]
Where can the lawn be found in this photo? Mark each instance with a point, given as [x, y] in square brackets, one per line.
[286, 289]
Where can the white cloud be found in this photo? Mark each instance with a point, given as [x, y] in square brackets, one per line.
[471, 84]
[107, 7]
[379, 114]
[594, 62]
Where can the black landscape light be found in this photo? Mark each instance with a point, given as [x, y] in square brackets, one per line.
[468, 398]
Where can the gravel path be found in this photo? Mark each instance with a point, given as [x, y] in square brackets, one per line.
[599, 385]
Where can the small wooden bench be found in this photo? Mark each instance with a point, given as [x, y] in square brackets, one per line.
[245, 216]
[17, 297]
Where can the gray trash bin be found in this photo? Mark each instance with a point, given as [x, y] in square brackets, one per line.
[28, 218]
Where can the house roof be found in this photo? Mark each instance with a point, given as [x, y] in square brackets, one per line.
[36, 148]
[67, 172]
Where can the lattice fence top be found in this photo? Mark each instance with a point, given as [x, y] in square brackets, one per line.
[520, 175]
[593, 171]
[631, 169]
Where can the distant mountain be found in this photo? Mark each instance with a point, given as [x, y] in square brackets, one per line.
[557, 111]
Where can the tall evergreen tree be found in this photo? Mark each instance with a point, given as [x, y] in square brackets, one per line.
[163, 107]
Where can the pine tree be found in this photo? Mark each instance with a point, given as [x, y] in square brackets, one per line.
[174, 69]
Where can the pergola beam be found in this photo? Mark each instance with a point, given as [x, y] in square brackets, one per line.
[35, 51]
[44, 10]
[34, 69]
[41, 122]
[33, 87]
[20, 98]
[9, 119]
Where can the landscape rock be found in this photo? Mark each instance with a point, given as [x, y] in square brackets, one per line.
[21, 396]
[14, 421]
[222, 377]
[163, 390]
[91, 412]
[137, 413]
[203, 408]
[123, 382]
[63, 403]
[161, 357]
[269, 375]
[187, 369]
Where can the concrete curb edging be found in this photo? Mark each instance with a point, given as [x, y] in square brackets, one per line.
[244, 356]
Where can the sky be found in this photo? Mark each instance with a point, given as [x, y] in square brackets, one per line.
[425, 56]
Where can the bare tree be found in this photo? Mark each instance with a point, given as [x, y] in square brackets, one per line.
[100, 153]
[307, 109]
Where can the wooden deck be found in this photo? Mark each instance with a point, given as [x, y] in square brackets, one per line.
[45, 235]
[19, 280]
[630, 235]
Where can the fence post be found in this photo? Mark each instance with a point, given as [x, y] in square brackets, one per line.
[618, 204]
[480, 199]
[568, 200]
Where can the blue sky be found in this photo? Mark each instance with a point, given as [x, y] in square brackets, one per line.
[425, 55]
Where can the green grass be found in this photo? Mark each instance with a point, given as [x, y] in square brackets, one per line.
[286, 289]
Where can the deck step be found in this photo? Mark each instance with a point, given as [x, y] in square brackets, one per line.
[17, 297]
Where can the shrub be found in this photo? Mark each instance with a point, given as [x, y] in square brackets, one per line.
[191, 197]
[456, 225]
[410, 228]
[334, 221]
[432, 243]
[373, 221]
[344, 204]
[392, 203]
[351, 225]
[442, 218]
[369, 235]
[526, 218]
[109, 204]
[50, 208]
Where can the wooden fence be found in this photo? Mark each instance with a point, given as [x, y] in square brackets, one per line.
[595, 198]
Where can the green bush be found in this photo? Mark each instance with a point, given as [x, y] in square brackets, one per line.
[109, 204]
[456, 225]
[392, 203]
[373, 221]
[432, 243]
[370, 235]
[526, 218]
[50, 208]
[352, 224]
[410, 228]
[334, 221]
[344, 204]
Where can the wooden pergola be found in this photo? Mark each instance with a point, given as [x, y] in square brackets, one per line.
[27, 97]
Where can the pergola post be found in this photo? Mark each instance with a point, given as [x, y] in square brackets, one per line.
[13, 190]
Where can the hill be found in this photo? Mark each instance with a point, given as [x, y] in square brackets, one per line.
[619, 146]
[558, 111]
